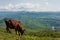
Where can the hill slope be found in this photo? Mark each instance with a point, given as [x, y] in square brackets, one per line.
[29, 35]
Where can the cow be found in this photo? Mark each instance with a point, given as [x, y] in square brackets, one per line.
[13, 24]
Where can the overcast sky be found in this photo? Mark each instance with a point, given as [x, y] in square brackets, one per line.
[29, 5]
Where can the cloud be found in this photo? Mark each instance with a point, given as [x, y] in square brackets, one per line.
[24, 7]
[30, 7]
[53, 7]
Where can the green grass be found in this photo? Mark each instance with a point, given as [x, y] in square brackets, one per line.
[27, 36]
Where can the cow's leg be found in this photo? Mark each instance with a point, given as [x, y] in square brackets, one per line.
[16, 31]
[7, 29]
[19, 33]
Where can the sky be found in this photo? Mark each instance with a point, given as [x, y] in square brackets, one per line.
[29, 5]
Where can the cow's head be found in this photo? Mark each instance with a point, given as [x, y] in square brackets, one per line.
[22, 31]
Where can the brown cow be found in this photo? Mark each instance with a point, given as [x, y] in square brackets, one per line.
[13, 24]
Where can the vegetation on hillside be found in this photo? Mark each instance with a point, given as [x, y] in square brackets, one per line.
[30, 35]
[34, 20]
[37, 25]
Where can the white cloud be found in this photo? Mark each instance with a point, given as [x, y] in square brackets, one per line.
[30, 7]
[53, 7]
[24, 7]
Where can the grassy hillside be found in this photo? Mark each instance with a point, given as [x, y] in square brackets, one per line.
[30, 35]
[37, 25]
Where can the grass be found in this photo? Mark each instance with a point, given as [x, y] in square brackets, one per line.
[7, 36]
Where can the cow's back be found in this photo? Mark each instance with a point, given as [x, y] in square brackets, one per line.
[15, 23]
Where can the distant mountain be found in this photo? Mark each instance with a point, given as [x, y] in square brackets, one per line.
[34, 20]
